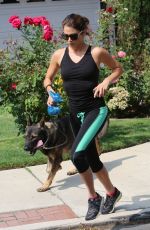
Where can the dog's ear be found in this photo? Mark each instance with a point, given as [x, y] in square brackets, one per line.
[29, 122]
[42, 122]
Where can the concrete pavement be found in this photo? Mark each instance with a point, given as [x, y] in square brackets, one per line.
[65, 204]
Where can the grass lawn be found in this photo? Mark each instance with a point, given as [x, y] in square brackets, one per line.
[122, 133]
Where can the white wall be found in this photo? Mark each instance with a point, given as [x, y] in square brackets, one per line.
[55, 11]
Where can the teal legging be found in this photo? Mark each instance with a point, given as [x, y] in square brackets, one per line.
[86, 126]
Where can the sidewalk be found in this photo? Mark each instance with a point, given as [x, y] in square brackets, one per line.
[65, 204]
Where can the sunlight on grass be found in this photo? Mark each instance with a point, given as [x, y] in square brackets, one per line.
[122, 133]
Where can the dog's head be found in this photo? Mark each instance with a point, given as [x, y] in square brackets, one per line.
[35, 136]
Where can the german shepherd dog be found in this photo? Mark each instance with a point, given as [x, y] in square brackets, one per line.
[52, 139]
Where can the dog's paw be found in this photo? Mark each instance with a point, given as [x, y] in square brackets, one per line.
[72, 171]
[43, 189]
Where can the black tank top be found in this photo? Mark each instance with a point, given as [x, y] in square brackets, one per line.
[79, 80]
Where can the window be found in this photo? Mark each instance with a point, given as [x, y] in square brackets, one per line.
[103, 5]
[9, 1]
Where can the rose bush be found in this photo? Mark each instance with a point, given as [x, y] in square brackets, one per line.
[23, 66]
[40, 21]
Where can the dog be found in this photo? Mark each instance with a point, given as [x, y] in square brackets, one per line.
[53, 138]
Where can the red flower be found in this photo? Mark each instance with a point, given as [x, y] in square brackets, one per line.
[45, 22]
[36, 21]
[12, 18]
[16, 23]
[28, 20]
[109, 10]
[48, 34]
[47, 27]
[42, 18]
[13, 86]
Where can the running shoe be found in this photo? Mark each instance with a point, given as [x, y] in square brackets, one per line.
[93, 207]
[110, 201]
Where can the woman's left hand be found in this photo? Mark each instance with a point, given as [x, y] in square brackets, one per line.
[100, 90]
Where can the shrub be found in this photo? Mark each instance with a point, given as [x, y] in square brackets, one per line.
[118, 98]
[23, 67]
[119, 30]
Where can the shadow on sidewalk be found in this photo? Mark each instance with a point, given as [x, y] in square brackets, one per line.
[74, 180]
[138, 202]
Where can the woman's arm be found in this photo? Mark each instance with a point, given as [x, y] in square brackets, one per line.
[51, 72]
[102, 56]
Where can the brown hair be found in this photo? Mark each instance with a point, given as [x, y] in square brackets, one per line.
[76, 21]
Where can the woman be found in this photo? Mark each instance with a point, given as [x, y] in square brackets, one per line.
[79, 64]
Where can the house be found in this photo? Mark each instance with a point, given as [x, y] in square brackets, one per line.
[54, 10]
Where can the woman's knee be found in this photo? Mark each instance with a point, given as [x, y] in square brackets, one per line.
[97, 167]
[80, 162]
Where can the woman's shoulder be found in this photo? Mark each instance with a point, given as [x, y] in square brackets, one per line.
[98, 54]
[97, 50]
[58, 54]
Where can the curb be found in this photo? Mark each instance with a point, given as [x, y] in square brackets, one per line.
[111, 221]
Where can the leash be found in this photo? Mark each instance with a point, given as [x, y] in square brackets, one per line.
[56, 146]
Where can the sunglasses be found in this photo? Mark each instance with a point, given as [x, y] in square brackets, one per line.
[73, 37]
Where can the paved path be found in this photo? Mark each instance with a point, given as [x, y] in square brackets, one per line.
[65, 204]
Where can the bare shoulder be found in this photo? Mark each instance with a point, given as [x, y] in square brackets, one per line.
[101, 55]
[98, 54]
[59, 52]
[99, 51]
[58, 55]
